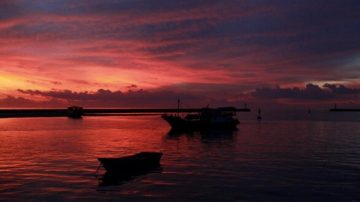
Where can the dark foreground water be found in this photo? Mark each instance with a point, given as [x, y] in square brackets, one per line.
[54, 159]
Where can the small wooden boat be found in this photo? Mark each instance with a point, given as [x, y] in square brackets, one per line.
[132, 164]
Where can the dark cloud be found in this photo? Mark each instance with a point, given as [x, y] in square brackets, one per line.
[132, 86]
[106, 98]
[20, 102]
[310, 92]
[342, 90]
[166, 97]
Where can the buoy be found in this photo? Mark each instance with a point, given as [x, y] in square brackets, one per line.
[259, 115]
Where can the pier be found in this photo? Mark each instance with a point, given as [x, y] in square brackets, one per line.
[344, 110]
[10, 113]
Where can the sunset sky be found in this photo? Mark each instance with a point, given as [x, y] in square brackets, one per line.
[149, 53]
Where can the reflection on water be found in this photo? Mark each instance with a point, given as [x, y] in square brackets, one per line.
[55, 159]
[115, 179]
[206, 136]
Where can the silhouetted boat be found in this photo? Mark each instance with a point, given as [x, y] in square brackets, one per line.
[224, 117]
[132, 164]
[75, 112]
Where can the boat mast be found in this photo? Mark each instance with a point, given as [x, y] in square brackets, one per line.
[259, 115]
[178, 107]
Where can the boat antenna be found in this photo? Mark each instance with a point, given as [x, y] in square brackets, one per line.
[178, 107]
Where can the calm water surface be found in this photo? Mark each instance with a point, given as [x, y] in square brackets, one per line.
[55, 159]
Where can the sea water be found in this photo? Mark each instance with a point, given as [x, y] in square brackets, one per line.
[55, 159]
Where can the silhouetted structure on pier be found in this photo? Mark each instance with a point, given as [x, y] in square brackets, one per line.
[75, 112]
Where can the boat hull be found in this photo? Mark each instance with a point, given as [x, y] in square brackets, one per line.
[179, 123]
[132, 164]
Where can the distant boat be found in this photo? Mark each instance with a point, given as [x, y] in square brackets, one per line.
[224, 117]
[75, 112]
[133, 163]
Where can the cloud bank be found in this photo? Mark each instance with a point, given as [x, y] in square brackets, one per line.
[311, 94]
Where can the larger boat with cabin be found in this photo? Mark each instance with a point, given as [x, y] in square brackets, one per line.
[223, 117]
